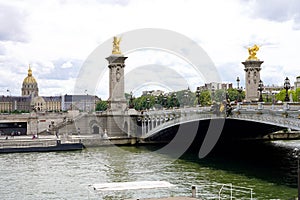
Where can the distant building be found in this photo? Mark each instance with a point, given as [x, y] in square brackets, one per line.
[297, 83]
[30, 86]
[30, 99]
[272, 89]
[152, 93]
[216, 86]
[79, 102]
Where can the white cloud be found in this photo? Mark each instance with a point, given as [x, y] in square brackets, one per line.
[51, 30]
[67, 64]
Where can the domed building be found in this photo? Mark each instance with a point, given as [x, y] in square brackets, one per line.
[31, 101]
[30, 86]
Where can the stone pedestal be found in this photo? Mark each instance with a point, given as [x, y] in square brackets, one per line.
[121, 125]
[116, 101]
[252, 78]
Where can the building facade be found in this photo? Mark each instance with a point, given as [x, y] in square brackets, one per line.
[216, 86]
[30, 99]
[79, 102]
[297, 83]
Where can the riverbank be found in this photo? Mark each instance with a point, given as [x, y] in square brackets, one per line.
[25, 143]
[96, 141]
[20, 144]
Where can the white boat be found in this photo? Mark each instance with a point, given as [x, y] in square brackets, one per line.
[131, 185]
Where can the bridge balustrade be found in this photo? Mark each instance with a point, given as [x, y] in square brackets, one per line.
[283, 115]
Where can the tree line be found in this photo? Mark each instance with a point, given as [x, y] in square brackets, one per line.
[178, 99]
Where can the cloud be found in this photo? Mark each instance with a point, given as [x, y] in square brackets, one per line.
[67, 64]
[55, 36]
[12, 22]
[115, 2]
[276, 10]
[2, 50]
[61, 69]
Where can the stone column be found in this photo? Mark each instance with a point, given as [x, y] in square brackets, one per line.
[252, 78]
[116, 100]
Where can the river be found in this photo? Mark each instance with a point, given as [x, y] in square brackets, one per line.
[269, 169]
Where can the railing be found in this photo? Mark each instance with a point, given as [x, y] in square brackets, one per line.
[27, 144]
[223, 191]
[279, 115]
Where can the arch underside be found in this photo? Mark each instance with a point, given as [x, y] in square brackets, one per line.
[232, 129]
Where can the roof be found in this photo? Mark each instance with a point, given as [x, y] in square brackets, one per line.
[52, 98]
[16, 98]
[29, 78]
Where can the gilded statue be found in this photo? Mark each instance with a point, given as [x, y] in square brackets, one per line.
[116, 45]
[252, 52]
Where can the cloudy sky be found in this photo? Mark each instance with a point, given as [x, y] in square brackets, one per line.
[57, 36]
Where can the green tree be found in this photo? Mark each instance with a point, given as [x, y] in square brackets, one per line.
[220, 95]
[101, 105]
[297, 94]
[281, 95]
[205, 98]
[233, 94]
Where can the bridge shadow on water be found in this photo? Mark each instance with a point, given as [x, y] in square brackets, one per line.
[253, 158]
[258, 159]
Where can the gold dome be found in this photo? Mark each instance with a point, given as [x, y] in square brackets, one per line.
[29, 78]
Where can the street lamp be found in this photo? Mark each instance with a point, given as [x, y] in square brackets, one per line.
[10, 101]
[239, 89]
[286, 86]
[165, 101]
[131, 101]
[213, 93]
[296, 154]
[174, 99]
[260, 89]
[85, 103]
[198, 95]
[186, 95]
[148, 103]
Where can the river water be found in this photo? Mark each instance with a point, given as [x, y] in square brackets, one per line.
[269, 169]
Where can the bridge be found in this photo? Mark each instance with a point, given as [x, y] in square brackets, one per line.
[250, 120]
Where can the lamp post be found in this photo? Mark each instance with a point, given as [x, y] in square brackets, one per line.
[296, 154]
[148, 103]
[260, 89]
[10, 101]
[85, 102]
[198, 96]
[287, 86]
[174, 99]
[213, 93]
[165, 101]
[239, 89]
[131, 100]
[186, 95]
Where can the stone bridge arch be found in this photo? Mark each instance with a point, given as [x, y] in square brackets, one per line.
[95, 127]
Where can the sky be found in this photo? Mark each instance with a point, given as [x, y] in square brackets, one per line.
[57, 36]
